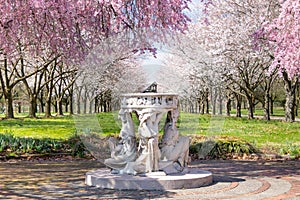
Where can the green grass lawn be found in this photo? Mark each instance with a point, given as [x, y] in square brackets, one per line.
[277, 111]
[61, 127]
[263, 134]
[55, 128]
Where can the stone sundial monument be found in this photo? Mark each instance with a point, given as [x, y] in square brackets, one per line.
[139, 160]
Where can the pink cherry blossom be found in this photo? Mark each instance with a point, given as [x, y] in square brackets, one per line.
[284, 34]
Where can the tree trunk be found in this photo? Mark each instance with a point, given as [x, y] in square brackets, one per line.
[49, 90]
[85, 102]
[78, 109]
[48, 103]
[48, 108]
[220, 103]
[78, 105]
[296, 108]
[250, 106]
[202, 107]
[214, 101]
[271, 106]
[84, 105]
[71, 108]
[90, 106]
[32, 106]
[105, 109]
[67, 106]
[96, 105]
[290, 106]
[266, 106]
[206, 100]
[7, 89]
[238, 105]
[55, 105]
[228, 107]
[9, 104]
[19, 107]
[59, 107]
[290, 94]
[42, 109]
[297, 101]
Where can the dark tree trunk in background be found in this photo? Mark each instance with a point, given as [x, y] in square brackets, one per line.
[48, 108]
[297, 100]
[19, 107]
[290, 94]
[7, 89]
[238, 105]
[42, 108]
[9, 104]
[85, 102]
[213, 97]
[33, 106]
[220, 102]
[55, 105]
[228, 107]
[290, 106]
[71, 99]
[67, 106]
[91, 106]
[59, 107]
[250, 100]
[266, 106]
[271, 105]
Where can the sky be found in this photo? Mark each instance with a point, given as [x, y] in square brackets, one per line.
[151, 64]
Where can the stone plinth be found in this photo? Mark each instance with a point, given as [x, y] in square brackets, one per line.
[194, 178]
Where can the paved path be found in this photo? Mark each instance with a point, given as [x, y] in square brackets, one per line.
[232, 180]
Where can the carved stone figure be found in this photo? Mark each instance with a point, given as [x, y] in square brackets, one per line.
[122, 151]
[149, 153]
[127, 157]
[174, 148]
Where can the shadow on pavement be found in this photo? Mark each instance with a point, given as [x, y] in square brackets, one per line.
[66, 179]
[60, 180]
[237, 168]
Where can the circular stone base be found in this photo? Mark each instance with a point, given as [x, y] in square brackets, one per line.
[194, 178]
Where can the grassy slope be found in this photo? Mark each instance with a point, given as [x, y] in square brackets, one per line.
[266, 134]
[259, 132]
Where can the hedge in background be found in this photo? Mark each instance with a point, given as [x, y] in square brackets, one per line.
[12, 146]
[221, 148]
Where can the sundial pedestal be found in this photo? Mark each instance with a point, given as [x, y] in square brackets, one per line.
[145, 164]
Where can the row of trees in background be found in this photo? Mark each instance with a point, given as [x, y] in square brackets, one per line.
[61, 90]
[82, 54]
[227, 55]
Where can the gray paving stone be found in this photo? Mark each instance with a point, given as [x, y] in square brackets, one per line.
[232, 180]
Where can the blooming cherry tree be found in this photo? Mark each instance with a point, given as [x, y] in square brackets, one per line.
[227, 33]
[69, 29]
[283, 33]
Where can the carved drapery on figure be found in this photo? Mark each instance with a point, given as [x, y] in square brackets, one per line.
[148, 156]
[122, 151]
